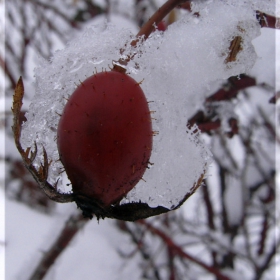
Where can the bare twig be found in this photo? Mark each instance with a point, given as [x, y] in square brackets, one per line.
[46, 6]
[71, 228]
[178, 250]
[208, 205]
[149, 26]
[267, 20]
[8, 72]
[269, 257]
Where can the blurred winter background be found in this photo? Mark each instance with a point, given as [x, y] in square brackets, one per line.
[226, 230]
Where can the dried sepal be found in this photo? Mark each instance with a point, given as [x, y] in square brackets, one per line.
[28, 155]
[17, 104]
[33, 154]
[44, 167]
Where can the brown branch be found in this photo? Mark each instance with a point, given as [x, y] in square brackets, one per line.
[261, 269]
[147, 29]
[56, 11]
[178, 250]
[208, 205]
[71, 228]
[170, 253]
[235, 84]
[263, 234]
[222, 177]
[264, 20]
[210, 217]
[158, 16]
[274, 98]
[8, 72]
[267, 20]
[137, 237]
[209, 125]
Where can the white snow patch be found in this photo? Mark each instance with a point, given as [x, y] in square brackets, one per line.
[233, 198]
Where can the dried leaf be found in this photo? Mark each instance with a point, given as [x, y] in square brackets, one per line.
[17, 104]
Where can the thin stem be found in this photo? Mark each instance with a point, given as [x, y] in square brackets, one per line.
[71, 228]
[158, 16]
[148, 28]
[177, 250]
[267, 20]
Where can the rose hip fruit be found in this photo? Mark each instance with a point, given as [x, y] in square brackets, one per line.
[104, 137]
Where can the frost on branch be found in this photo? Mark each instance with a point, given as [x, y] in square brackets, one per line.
[178, 67]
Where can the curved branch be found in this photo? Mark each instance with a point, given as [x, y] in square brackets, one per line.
[71, 228]
[178, 250]
[158, 16]
[147, 29]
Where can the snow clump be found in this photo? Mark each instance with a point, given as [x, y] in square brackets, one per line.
[180, 67]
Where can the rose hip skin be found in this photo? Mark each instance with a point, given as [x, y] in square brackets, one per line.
[104, 137]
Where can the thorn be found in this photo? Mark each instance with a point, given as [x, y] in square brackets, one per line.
[81, 83]
[139, 83]
[61, 171]
[155, 132]
[58, 114]
[143, 180]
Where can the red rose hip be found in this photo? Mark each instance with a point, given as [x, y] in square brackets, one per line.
[104, 137]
